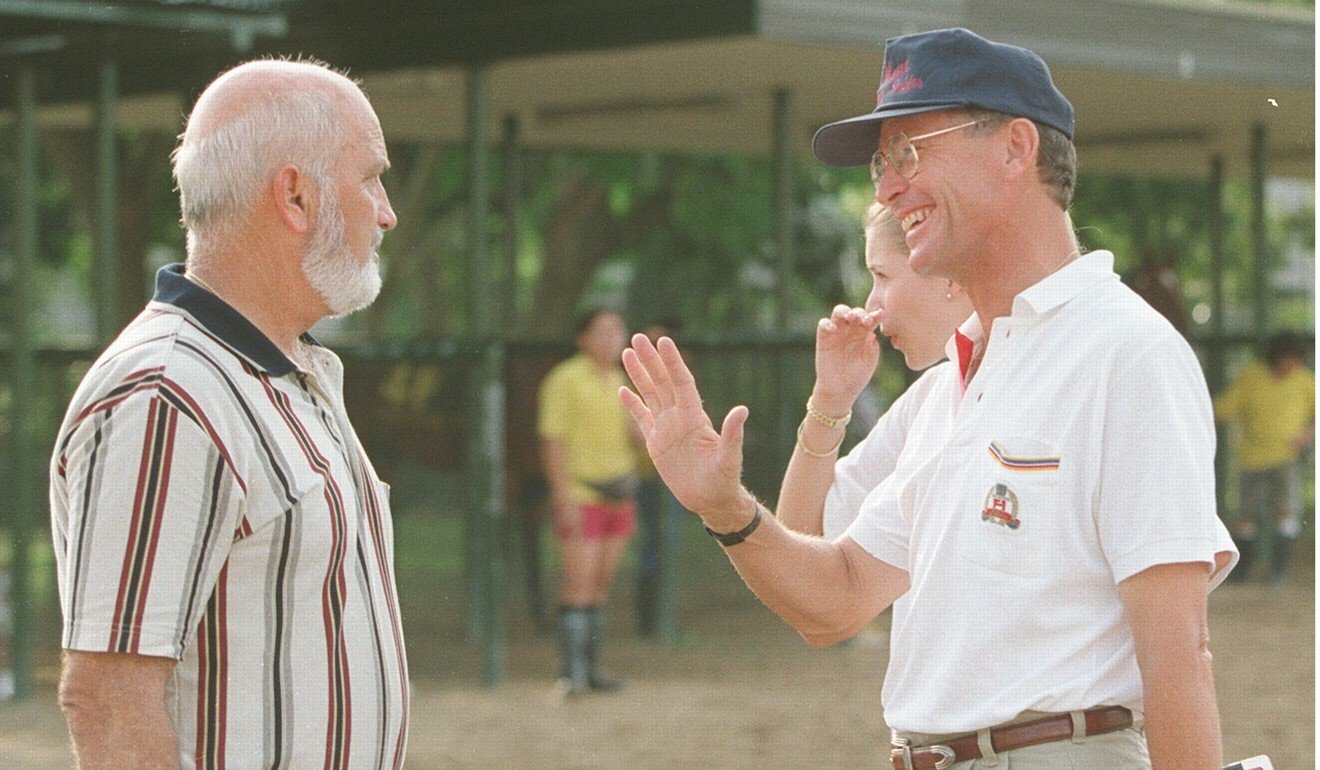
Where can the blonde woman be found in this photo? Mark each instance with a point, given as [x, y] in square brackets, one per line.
[918, 315]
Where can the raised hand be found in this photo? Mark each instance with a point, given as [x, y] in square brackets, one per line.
[702, 468]
[847, 353]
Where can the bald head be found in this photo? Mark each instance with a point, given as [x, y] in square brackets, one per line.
[248, 86]
[248, 123]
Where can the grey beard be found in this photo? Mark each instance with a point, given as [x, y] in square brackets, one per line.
[344, 284]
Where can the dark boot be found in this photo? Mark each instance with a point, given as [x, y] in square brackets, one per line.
[574, 635]
[596, 678]
[646, 605]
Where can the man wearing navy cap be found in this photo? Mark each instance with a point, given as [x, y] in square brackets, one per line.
[1049, 535]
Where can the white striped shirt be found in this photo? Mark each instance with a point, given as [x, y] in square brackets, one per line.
[211, 503]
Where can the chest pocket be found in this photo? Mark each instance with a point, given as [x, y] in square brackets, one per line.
[1014, 529]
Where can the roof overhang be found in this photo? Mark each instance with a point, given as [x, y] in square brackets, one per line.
[1160, 86]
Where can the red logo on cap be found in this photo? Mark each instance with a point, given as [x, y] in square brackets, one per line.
[896, 80]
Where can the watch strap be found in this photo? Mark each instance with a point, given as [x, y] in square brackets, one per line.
[734, 538]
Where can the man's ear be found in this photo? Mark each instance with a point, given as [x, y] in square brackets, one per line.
[289, 189]
[1022, 147]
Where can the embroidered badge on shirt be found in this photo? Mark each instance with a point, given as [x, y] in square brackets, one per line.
[1001, 507]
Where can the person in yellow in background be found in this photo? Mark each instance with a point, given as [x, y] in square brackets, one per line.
[589, 455]
[1273, 403]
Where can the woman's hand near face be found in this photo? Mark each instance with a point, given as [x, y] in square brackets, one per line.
[847, 353]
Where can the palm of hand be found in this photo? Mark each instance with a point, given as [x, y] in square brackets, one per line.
[701, 467]
[688, 453]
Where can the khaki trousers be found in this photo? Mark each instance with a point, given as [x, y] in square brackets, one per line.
[1120, 750]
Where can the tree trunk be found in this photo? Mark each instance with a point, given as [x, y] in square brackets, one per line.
[144, 168]
[581, 234]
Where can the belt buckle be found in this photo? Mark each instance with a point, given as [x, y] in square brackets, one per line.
[946, 756]
[904, 748]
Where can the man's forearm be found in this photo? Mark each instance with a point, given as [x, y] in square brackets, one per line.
[826, 591]
[107, 737]
[1182, 722]
[1165, 606]
[119, 726]
[115, 707]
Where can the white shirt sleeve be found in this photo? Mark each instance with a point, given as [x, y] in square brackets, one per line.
[1223, 544]
[153, 509]
[1156, 491]
[873, 459]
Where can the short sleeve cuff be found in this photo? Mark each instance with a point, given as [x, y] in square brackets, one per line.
[1172, 551]
[1218, 575]
[888, 550]
[837, 516]
[151, 639]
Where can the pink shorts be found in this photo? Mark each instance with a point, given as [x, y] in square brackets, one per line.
[601, 520]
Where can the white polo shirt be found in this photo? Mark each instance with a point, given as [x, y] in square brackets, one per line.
[875, 456]
[1081, 453]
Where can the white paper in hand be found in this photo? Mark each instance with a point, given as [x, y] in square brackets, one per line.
[1255, 763]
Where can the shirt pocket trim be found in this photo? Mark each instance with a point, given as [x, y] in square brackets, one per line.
[1023, 455]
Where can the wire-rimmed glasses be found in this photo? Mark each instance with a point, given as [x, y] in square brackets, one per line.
[902, 154]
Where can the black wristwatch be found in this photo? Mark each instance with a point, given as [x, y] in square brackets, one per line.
[734, 538]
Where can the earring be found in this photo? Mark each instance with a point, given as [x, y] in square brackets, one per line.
[948, 295]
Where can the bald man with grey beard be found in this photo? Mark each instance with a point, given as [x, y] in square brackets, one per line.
[224, 547]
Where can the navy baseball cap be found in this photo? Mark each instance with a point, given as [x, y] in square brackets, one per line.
[946, 69]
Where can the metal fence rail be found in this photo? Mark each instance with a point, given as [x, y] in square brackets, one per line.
[409, 402]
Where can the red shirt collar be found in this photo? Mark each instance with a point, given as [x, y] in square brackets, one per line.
[965, 348]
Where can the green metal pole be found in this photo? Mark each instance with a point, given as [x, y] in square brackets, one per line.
[1215, 354]
[1260, 301]
[528, 523]
[513, 176]
[781, 185]
[473, 532]
[105, 283]
[487, 444]
[23, 499]
[781, 182]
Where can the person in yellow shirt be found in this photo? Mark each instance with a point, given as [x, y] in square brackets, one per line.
[1273, 404]
[589, 455]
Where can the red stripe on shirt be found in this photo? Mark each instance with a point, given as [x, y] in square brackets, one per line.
[333, 590]
[164, 463]
[198, 415]
[125, 596]
[204, 688]
[222, 672]
[213, 678]
[374, 518]
[140, 380]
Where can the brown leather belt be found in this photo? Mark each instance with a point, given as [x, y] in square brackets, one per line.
[1106, 719]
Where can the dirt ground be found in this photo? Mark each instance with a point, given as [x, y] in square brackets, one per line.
[740, 691]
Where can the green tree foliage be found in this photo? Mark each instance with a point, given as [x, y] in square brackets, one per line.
[678, 238]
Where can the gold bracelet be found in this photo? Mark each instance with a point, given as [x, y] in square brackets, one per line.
[827, 453]
[829, 422]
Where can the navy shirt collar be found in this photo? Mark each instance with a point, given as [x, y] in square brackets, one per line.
[223, 321]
